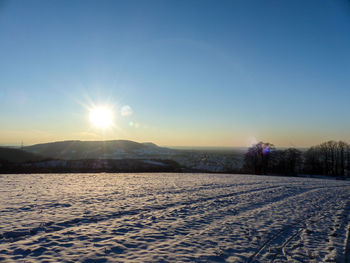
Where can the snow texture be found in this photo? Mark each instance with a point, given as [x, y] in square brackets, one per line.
[173, 218]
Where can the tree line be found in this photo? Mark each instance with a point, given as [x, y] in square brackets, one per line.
[329, 158]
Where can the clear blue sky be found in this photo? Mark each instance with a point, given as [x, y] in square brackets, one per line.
[219, 73]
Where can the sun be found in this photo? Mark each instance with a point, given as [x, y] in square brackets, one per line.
[101, 117]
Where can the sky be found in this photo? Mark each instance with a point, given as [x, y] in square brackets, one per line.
[176, 73]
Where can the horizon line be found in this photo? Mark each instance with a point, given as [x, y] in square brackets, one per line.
[20, 144]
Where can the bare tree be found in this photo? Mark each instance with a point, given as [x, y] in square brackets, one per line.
[257, 158]
[331, 156]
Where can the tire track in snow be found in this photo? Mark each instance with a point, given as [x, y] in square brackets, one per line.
[347, 245]
[49, 227]
[208, 218]
[292, 230]
[147, 239]
[338, 226]
[346, 258]
[48, 205]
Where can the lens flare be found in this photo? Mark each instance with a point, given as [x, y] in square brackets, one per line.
[126, 111]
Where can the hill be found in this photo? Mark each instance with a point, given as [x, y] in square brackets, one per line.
[17, 156]
[114, 149]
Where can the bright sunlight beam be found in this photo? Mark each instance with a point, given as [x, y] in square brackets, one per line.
[101, 117]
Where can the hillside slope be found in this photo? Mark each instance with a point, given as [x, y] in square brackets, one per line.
[17, 156]
[114, 149]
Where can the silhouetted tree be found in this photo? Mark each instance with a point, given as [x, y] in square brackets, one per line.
[277, 163]
[348, 160]
[312, 161]
[293, 160]
[328, 158]
[256, 160]
[287, 162]
[343, 151]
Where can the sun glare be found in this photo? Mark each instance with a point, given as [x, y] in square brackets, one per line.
[101, 117]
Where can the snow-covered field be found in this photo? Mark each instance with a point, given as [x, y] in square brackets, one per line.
[173, 218]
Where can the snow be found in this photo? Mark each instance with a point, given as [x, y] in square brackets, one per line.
[154, 162]
[172, 218]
